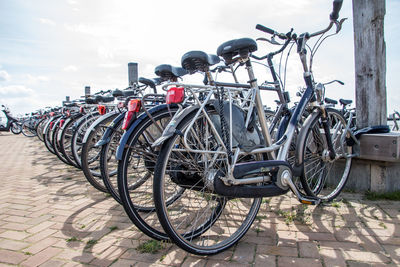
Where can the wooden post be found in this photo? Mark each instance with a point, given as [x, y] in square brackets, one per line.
[87, 91]
[370, 62]
[132, 74]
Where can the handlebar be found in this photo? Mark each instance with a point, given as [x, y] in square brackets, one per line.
[337, 5]
[272, 32]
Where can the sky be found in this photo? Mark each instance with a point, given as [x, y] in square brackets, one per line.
[52, 49]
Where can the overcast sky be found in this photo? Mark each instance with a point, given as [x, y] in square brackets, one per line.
[50, 49]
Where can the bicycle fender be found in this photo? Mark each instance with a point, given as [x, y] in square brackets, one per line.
[171, 127]
[106, 138]
[96, 123]
[46, 127]
[298, 166]
[127, 134]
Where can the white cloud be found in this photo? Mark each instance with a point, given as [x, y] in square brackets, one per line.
[110, 65]
[47, 21]
[15, 91]
[105, 52]
[37, 79]
[4, 76]
[71, 68]
[72, 2]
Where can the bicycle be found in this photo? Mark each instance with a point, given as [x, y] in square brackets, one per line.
[226, 168]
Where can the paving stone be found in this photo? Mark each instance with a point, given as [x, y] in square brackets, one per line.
[11, 257]
[41, 245]
[298, 262]
[41, 257]
[12, 244]
[16, 235]
[308, 250]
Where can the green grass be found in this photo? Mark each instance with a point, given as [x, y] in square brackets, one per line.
[297, 214]
[113, 228]
[381, 224]
[90, 243]
[265, 200]
[386, 196]
[73, 239]
[27, 253]
[261, 217]
[335, 204]
[150, 246]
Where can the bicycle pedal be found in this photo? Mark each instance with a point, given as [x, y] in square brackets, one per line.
[310, 201]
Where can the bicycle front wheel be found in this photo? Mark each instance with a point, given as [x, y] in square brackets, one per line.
[322, 176]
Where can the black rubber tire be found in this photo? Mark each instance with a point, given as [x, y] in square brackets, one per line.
[130, 194]
[56, 145]
[79, 133]
[312, 156]
[65, 140]
[15, 128]
[88, 161]
[213, 228]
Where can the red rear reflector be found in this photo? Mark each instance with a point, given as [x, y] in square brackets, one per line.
[81, 110]
[52, 114]
[51, 124]
[175, 95]
[102, 109]
[134, 105]
[128, 118]
[61, 123]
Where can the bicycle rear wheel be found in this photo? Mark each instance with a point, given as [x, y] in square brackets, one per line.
[322, 176]
[136, 168]
[28, 128]
[199, 221]
[90, 154]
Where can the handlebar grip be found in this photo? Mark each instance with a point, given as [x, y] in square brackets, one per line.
[337, 5]
[265, 29]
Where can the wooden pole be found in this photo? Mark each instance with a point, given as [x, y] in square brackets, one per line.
[132, 74]
[370, 62]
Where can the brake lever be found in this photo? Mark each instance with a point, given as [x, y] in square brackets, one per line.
[272, 41]
[339, 25]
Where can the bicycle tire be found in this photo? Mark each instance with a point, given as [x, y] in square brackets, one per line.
[108, 160]
[90, 155]
[82, 126]
[135, 183]
[56, 144]
[15, 128]
[66, 137]
[216, 223]
[316, 165]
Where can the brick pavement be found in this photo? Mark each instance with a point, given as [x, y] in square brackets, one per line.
[50, 216]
